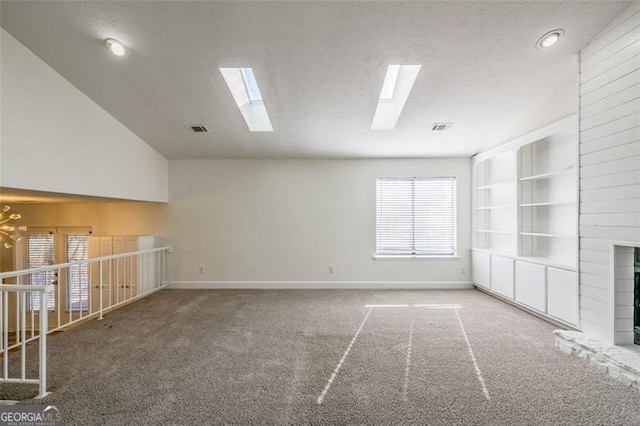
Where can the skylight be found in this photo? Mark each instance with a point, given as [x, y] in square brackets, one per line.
[251, 85]
[390, 80]
[397, 85]
[245, 91]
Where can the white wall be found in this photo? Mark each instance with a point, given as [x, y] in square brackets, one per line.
[288, 220]
[558, 102]
[609, 161]
[54, 138]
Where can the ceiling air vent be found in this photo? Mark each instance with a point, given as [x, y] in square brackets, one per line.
[440, 127]
[198, 128]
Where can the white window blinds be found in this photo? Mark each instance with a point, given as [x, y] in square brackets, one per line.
[39, 253]
[415, 216]
[77, 275]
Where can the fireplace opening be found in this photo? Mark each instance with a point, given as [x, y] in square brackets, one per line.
[636, 296]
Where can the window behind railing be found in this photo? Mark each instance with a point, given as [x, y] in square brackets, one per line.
[39, 252]
[77, 275]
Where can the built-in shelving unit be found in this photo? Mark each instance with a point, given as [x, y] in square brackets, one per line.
[525, 221]
[495, 204]
[547, 198]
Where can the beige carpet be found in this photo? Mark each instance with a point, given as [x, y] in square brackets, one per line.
[265, 357]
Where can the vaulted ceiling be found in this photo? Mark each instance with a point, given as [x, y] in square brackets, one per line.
[320, 67]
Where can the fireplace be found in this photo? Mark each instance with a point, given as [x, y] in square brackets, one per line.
[625, 289]
[618, 354]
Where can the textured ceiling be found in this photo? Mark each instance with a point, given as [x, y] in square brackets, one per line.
[320, 66]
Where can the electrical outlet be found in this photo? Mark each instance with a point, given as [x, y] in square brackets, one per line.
[332, 269]
[201, 269]
[462, 271]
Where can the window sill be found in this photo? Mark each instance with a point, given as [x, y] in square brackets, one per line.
[414, 256]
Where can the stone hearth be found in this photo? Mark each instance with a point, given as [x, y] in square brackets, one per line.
[619, 362]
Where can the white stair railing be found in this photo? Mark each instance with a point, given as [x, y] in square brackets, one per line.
[17, 294]
[68, 293]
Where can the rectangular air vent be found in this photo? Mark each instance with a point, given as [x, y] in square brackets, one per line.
[439, 127]
[198, 128]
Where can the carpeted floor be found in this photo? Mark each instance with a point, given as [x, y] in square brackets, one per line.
[265, 357]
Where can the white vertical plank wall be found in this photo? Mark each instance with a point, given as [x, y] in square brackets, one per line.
[609, 161]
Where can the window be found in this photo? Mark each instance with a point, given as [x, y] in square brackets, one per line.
[77, 275]
[48, 246]
[415, 216]
[39, 253]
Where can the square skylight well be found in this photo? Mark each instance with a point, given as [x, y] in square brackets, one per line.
[245, 91]
[397, 85]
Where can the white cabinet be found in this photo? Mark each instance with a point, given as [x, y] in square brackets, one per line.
[531, 285]
[481, 267]
[502, 275]
[562, 302]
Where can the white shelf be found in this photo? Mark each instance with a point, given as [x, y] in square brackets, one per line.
[494, 231]
[546, 235]
[493, 185]
[549, 203]
[496, 252]
[549, 175]
[501, 206]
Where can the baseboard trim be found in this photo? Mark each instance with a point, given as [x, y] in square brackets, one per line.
[345, 285]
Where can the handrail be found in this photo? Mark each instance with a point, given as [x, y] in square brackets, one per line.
[78, 262]
[21, 341]
[22, 287]
[98, 285]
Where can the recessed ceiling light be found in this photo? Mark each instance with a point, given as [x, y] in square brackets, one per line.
[397, 85]
[115, 46]
[245, 91]
[549, 39]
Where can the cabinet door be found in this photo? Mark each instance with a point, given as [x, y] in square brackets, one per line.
[481, 268]
[502, 275]
[562, 302]
[131, 282]
[98, 247]
[531, 286]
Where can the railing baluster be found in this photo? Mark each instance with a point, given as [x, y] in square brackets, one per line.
[23, 347]
[5, 335]
[58, 305]
[117, 283]
[100, 290]
[42, 368]
[32, 314]
[89, 297]
[110, 289]
[2, 311]
[33, 292]
[16, 330]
